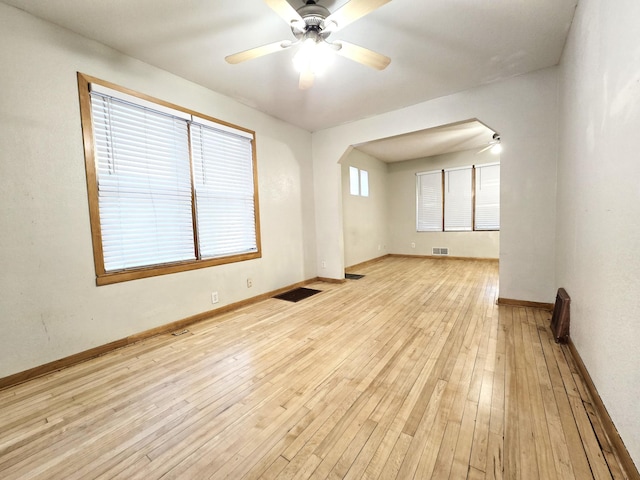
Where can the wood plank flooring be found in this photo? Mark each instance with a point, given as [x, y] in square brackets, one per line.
[409, 372]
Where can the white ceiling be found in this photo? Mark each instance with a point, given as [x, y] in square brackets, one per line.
[456, 137]
[437, 47]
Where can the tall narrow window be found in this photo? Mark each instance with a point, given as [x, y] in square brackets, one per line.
[144, 184]
[147, 161]
[487, 197]
[364, 183]
[458, 208]
[223, 180]
[354, 181]
[429, 201]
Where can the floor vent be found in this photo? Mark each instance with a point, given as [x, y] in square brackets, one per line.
[440, 251]
[353, 276]
[297, 294]
[560, 318]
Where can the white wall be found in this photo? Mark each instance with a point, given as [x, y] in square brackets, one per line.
[402, 222]
[524, 110]
[365, 218]
[598, 256]
[50, 306]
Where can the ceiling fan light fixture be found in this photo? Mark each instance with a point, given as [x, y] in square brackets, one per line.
[312, 56]
[497, 144]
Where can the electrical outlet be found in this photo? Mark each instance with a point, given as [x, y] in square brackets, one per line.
[413, 244]
[379, 247]
[249, 283]
[214, 297]
[324, 264]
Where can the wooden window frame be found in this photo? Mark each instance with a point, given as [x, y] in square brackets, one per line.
[102, 276]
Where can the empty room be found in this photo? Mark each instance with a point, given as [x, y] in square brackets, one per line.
[320, 239]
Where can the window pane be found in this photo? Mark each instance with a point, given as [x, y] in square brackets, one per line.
[144, 185]
[457, 200]
[364, 183]
[429, 202]
[354, 181]
[224, 191]
[488, 197]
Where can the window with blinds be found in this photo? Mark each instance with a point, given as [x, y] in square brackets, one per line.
[429, 201]
[223, 182]
[487, 197]
[470, 199]
[144, 184]
[458, 207]
[168, 191]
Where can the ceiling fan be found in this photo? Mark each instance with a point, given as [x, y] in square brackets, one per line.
[311, 25]
[494, 144]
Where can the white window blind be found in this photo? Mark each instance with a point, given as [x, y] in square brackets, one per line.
[488, 197]
[458, 210]
[429, 201]
[144, 184]
[224, 191]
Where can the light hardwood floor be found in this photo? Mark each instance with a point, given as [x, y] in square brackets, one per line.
[410, 372]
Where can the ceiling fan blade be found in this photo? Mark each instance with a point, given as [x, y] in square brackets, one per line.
[285, 11]
[306, 79]
[352, 11]
[257, 52]
[362, 55]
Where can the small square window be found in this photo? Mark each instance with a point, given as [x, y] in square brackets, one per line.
[358, 182]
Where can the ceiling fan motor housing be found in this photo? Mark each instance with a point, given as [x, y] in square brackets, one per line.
[314, 16]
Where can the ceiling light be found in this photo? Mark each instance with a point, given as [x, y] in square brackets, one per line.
[314, 55]
[494, 146]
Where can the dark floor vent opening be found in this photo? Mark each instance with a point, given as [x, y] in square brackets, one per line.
[560, 318]
[297, 294]
[353, 276]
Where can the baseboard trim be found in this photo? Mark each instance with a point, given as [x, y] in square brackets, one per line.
[610, 429]
[509, 302]
[367, 262]
[61, 363]
[444, 257]
[85, 355]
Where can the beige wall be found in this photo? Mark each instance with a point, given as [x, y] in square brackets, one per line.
[50, 306]
[524, 110]
[385, 222]
[598, 260]
[365, 218]
[402, 224]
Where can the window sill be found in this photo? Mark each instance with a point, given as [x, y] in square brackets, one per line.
[165, 269]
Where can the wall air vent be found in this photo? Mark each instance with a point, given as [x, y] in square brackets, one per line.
[440, 251]
[561, 317]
